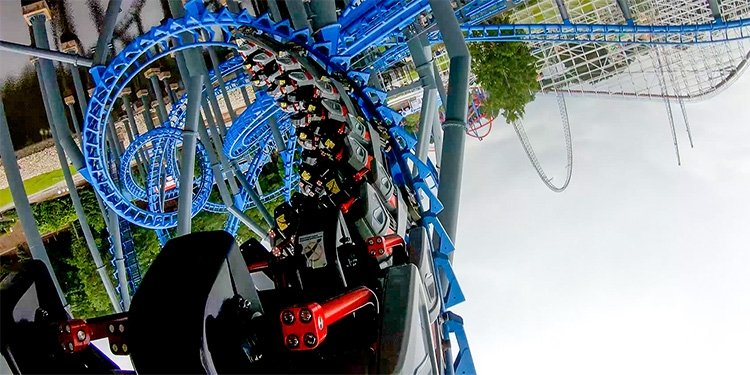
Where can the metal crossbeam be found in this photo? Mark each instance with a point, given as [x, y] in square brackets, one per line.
[631, 34]
[606, 33]
[390, 19]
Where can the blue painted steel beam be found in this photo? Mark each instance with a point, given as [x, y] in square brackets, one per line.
[353, 12]
[625, 9]
[717, 32]
[391, 20]
[605, 33]
[477, 11]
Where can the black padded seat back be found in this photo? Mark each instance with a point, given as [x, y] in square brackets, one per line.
[186, 284]
[407, 344]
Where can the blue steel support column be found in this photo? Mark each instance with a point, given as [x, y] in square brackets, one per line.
[215, 108]
[161, 110]
[215, 137]
[298, 14]
[73, 47]
[277, 138]
[223, 191]
[88, 235]
[253, 195]
[105, 35]
[143, 95]
[70, 101]
[715, 9]
[38, 24]
[233, 6]
[245, 96]
[437, 139]
[132, 129]
[188, 64]
[138, 160]
[80, 92]
[174, 88]
[421, 53]
[185, 203]
[401, 89]
[21, 201]
[118, 147]
[323, 13]
[455, 105]
[563, 10]
[273, 8]
[437, 130]
[168, 87]
[625, 9]
[220, 79]
[250, 6]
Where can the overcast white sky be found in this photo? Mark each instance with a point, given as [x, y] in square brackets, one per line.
[640, 267]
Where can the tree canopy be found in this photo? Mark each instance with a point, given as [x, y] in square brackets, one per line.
[507, 73]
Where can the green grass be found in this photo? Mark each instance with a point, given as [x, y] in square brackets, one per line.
[35, 184]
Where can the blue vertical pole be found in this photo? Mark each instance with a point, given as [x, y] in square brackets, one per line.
[454, 126]
[38, 24]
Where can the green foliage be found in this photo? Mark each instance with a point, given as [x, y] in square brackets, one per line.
[91, 208]
[206, 221]
[54, 215]
[270, 177]
[57, 214]
[7, 220]
[507, 73]
[69, 255]
[244, 233]
[147, 246]
[85, 291]
[411, 123]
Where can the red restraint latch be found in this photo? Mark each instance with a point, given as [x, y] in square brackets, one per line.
[305, 327]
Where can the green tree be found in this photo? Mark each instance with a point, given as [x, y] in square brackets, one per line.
[85, 290]
[507, 73]
[411, 123]
[147, 246]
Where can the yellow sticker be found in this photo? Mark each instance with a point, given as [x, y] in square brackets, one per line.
[310, 108]
[333, 187]
[302, 136]
[281, 222]
[305, 175]
[329, 144]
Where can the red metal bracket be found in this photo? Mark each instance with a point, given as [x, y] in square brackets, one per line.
[306, 327]
[381, 248]
[75, 335]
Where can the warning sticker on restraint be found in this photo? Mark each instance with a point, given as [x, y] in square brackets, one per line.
[314, 249]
